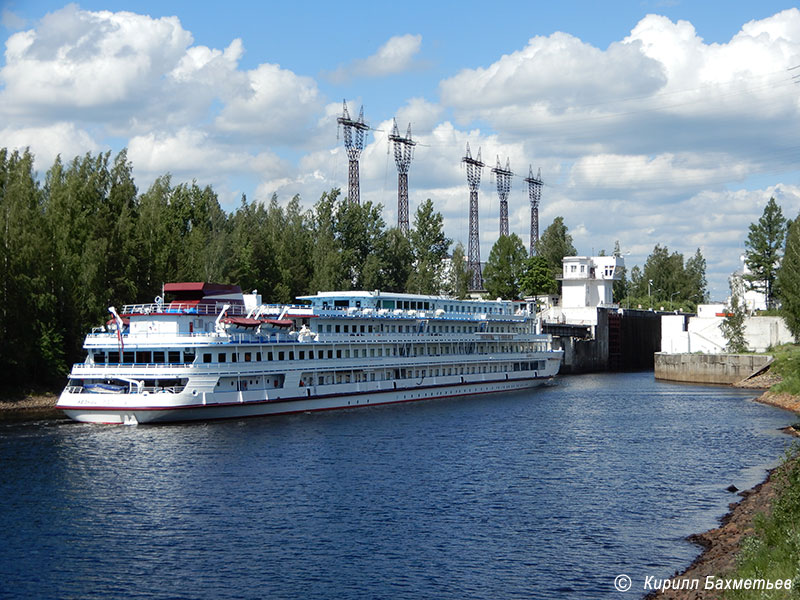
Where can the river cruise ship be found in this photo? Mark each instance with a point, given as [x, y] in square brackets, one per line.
[207, 351]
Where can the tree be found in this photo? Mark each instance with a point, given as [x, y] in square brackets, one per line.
[789, 280]
[732, 325]
[358, 229]
[763, 250]
[537, 278]
[430, 246]
[555, 244]
[326, 257]
[397, 261]
[459, 275]
[667, 281]
[695, 288]
[503, 270]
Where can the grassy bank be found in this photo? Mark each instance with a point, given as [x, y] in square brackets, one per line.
[772, 553]
[787, 365]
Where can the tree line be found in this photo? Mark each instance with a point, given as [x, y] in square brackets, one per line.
[85, 239]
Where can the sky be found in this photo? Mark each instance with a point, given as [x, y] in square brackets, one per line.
[653, 122]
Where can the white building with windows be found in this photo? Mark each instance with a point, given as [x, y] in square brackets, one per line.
[587, 282]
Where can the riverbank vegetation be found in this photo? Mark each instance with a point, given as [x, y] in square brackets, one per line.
[772, 553]
[786, 364]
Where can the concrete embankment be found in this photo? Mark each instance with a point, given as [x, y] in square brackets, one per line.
[708, 368]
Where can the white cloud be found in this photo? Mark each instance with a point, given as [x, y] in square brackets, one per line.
[276, 105]
[395, 56]
[47, 142]
[83, 60]
[191, 152]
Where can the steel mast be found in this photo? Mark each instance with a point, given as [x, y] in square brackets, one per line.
[535, 195]
[474, 166]
[354, 143]
[403, 153]
[503, 178]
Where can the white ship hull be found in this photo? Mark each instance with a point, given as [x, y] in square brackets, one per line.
[128, 409]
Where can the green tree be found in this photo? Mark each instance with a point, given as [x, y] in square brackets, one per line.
[763, 249]
[396, 261]
[695, 286]
[554, 244]
[429, 245]
[789, 280]
[326, 257]
[359, 229]
[505, 268]
[732, 325]
[31, 326]
[537, 278]
[458, 276]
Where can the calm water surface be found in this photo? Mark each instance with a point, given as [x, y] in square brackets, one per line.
[542, 494]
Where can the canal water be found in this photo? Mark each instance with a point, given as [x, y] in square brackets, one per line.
[549, 493]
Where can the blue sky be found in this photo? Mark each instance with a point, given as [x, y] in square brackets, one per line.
[653, 122]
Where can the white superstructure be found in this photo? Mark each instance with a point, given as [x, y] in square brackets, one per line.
[212, 353]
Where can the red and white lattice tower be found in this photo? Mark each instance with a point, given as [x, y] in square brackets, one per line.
[474, 166]
[354, 133]
[535, 195]
[503, 178]
[403, 153]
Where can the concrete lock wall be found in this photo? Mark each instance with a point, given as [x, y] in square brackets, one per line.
[708, 368]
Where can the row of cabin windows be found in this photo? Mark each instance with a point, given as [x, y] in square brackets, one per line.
[330, 377]
[414, 350]
[420, 305]
[414, 328]
[145, 357]
[187, 357]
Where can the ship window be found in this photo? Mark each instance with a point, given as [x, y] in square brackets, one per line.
[222, 358]
[347, 328]
[269, 355]
[338, 354]
[234, 356]
[99, 358]
[158, 357]
[281, 355]
[311, 354]
[174, 356]
[113, 357]
[338, 329]
[330, 353]
[248, 356]
[206, 357]
[258, 356]
[302, 355]
[127, 357]
[188, 357]
[291, 354]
